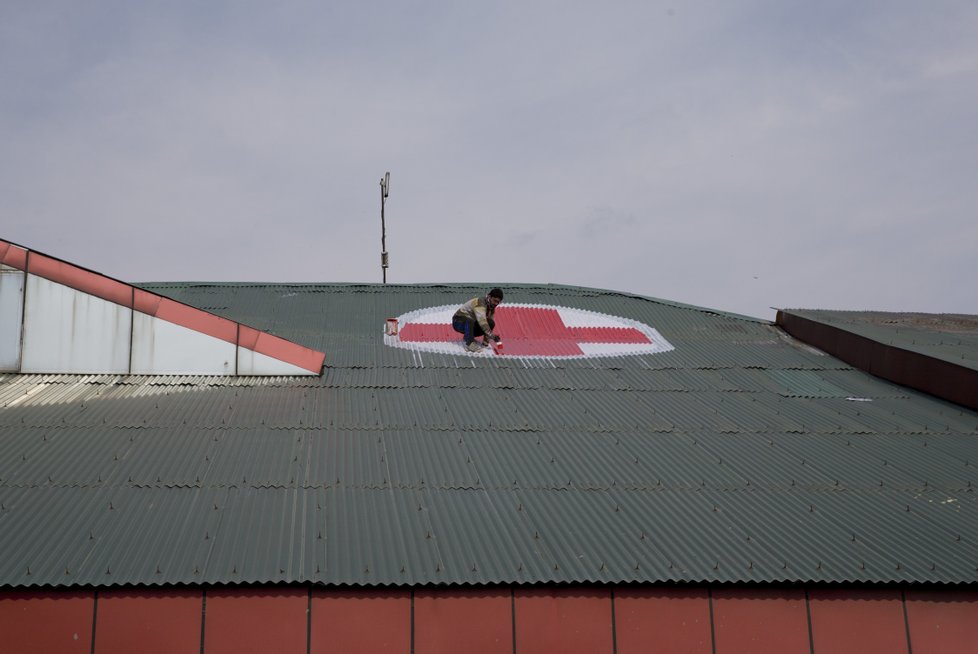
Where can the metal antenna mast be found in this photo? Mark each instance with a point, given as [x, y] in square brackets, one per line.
[385, 185]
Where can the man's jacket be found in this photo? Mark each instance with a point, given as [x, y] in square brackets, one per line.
[478, 311]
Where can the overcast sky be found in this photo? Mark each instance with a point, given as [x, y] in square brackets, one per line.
[737, 155]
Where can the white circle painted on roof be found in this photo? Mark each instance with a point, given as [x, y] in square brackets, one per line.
[532, 331]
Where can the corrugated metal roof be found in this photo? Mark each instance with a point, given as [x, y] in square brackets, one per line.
[739, 456]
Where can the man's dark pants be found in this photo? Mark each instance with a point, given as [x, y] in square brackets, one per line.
[470, 328]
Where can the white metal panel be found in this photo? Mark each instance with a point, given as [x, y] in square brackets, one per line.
[11, 316]
[256, 363]
[70, 331]
[164, 348]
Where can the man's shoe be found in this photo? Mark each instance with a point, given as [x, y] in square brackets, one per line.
[474, 346]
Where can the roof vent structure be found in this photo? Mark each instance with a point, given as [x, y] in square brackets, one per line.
[56, 317]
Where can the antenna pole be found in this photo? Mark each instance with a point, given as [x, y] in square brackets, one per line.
[385, 182]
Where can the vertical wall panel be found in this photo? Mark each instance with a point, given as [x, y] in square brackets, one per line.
[71, 276]
[256, 363]
[761, 621]
[567, 620]
[269, 352]
[941, 622]
[68, 331]
[361, 622]
[449, 621]
[857, 622]
[152, 621]
[11, 317]
[663, 620]
[242, 620]
[44, 622]
[164, 348]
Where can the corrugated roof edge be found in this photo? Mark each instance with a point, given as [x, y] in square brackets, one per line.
[726, 583]
[470, 285]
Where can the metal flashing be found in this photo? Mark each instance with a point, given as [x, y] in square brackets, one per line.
[944, 363]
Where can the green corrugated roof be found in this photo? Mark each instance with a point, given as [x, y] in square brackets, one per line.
[740, 455]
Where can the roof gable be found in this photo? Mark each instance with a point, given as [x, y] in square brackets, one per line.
[60, 318]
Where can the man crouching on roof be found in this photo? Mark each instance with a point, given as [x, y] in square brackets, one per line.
[474, 318]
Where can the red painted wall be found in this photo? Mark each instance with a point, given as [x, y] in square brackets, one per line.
[360, 622]
[46, 621]
[663, 620]
[568, 620]
[155, 621]
[761, 620]
[858, 622]
[259, 620]
[621, 620]
[942, 621]
[463, 620]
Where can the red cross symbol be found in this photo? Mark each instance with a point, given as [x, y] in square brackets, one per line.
[531, 331]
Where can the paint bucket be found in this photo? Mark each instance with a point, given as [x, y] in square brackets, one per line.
[391, 327]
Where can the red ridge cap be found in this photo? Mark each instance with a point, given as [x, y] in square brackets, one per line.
[146, 302]
[79, 279]
[185, 315]
[281, 349]
[248, 337]
[13, 256]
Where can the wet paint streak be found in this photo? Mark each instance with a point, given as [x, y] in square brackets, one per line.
[424, 333]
